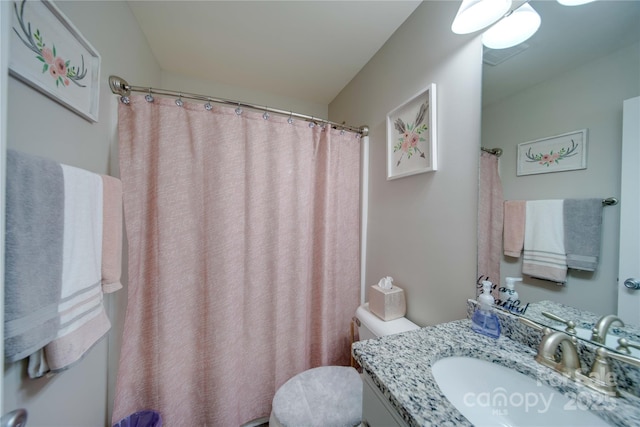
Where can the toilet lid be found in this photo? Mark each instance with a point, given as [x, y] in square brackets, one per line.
[329, 396]
[381, 328]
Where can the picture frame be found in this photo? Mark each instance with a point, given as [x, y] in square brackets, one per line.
[559, 153]
[48, 53]
[412, 136]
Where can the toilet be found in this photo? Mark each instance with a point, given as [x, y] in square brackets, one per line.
[331, 396]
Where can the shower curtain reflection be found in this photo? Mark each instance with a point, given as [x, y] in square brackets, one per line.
[243, 258]
[490, 219]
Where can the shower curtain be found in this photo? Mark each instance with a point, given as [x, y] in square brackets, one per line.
[490, 221]
[244, 258]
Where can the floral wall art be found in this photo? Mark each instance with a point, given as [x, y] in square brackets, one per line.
[49, 54]
[411, 136]
[553, 154]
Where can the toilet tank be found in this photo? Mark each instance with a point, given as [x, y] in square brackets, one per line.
[371, 326]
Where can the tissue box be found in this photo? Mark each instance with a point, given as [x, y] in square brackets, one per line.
[387, 304]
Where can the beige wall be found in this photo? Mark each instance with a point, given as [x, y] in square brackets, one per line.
[188, 84]
[589, 97]
[41, 126]
[422, 228]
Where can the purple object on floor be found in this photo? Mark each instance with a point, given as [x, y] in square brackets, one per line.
[141, 419]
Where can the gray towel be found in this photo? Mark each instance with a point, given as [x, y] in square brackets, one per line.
[582, 232]
[33, 253]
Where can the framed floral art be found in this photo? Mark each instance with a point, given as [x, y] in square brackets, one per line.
[48, 53]
[553, 154]
[411, 136]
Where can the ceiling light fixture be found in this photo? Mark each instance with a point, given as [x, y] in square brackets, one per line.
[510, 27]
[574, 2]
[513, 29]
[474, 15]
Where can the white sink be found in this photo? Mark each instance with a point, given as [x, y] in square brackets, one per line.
[611, 341]
[488, 394]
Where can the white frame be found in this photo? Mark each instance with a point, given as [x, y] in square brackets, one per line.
[424, 155]
[56, 33]
[558, 153]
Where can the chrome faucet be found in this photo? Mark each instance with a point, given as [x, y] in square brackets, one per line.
[601, 327]
[568, 363]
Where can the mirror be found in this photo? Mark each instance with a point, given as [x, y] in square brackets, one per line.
[580, 323]
[573, 74]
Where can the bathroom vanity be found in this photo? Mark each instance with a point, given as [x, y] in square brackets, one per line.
[377, 407]
[400, 388]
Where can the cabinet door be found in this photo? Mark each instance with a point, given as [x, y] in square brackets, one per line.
[376, 409]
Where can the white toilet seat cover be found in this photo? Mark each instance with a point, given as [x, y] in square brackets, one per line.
[329, 396]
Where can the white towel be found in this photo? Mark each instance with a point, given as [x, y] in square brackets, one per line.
[544, 252]
[82, 250]
[82, 316]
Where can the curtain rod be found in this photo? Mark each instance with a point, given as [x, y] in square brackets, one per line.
[495, 151]
[609, 201]
[119, 86]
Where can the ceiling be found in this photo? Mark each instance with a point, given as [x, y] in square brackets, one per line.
[307, 50]
[568, 37]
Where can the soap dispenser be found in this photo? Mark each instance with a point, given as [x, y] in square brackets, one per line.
[484, 320]
[508, 292]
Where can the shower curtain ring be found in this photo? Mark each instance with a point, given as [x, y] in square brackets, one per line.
[266, 113]
[238, 110]
[179, 101]
[290, 119]
[208, 105]
[312, 123]
[149, 97]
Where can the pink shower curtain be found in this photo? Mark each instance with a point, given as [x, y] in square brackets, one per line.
[490, 221]
[244, 262]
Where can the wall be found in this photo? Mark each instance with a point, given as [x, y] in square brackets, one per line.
[422, 228]
[217, 90]
[41, 126]
[588, 97]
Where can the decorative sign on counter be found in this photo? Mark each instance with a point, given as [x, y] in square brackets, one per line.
[514, 306]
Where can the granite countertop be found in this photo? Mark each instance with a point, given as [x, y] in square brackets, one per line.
[400, 366]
